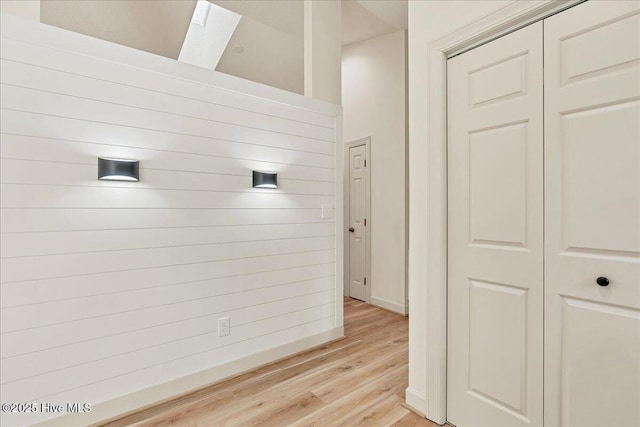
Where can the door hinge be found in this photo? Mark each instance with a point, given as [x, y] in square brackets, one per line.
[365, 281]
[365, 163]
[365, 222]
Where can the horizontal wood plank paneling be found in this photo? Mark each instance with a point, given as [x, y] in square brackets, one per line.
[21, 220]
[84, 65]
[104, 305]
[49, 80]
[238, 275]
[49, 384]
[80, 264]
[70, 174]
[309, 167]
[92, 328]
[71, 242]
[93, 111]
[21, 293]
[112, 287]
[35, 363]
[51, 196]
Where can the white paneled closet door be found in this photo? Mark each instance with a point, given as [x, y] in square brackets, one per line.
[495, 292]
[592, 221]
[591, 230]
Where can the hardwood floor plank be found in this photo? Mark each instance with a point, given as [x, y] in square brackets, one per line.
[350, 405]
[343, 385]
[384, 412]
[187, 414]
[297, 409]
[356, 381]
[412, 420]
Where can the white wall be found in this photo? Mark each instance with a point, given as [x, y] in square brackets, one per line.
[322, 50]
[428, 21]
[373, 99]
[111, 291]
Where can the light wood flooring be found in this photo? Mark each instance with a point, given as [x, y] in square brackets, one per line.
[357, 381]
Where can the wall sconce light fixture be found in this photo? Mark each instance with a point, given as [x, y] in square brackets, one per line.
[118, 169]
[265, 179]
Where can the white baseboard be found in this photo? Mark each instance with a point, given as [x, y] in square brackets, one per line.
[390, 305]
[166, 391]
[416, 400]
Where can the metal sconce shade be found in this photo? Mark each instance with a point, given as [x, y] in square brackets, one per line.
[118, 169]
[265, 179]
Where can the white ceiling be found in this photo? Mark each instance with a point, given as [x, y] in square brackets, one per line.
[361, 19]
[393, 12]
[283, 15]
[365, 19]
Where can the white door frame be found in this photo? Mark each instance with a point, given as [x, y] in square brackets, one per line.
[367, 229]
[512, 16]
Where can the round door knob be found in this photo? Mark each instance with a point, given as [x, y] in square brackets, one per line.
[351, 229]
[602, 281]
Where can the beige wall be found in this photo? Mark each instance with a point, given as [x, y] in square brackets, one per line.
[373, 101]
[428, 21]
[29, 9]
[270, 56]
[153, 26]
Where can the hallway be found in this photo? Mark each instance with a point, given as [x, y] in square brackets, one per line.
[359, 380]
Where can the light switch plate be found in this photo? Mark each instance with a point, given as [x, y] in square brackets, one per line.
[327, 211]
[224, 327]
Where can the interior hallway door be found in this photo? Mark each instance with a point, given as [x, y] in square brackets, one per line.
[358, 199]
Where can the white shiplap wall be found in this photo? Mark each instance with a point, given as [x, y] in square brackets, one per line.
[112, 288]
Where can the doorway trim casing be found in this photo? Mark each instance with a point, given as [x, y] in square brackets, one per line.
[511, 17]
[366, 141]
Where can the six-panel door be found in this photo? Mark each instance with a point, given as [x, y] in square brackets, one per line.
[495, 292]
[357, 213]
[592, 221]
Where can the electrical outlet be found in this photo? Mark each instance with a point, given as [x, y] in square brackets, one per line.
[327, 211]
[224, 327]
